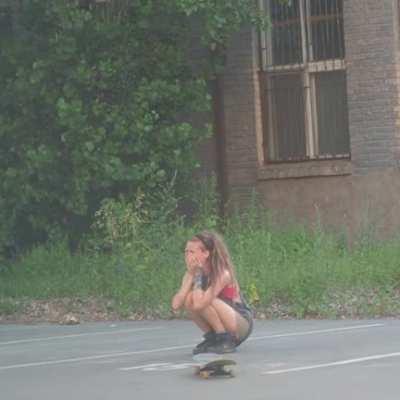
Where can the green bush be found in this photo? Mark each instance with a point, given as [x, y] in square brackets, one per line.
[93, 105]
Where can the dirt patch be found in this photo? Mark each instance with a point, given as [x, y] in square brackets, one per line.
[352, 304]
[61, 311]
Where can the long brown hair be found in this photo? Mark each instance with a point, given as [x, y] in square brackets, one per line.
[220, 259]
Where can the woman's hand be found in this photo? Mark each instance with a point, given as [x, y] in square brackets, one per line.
[193, 265]
[177, 302]
[179, 299]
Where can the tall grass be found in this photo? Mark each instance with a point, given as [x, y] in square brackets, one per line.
[291, 272]
[311, 272]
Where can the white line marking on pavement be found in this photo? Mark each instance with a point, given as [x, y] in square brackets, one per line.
[76, 335]
[145, 366]
[314, 332]
[160, 367]
[173, 348]
[332, 364]
[98, 357]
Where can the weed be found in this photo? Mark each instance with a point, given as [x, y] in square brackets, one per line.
[306, 272]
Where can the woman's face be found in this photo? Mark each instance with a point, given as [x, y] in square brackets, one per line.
[195, 254]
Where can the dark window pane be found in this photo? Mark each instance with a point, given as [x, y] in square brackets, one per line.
[332, 114]
[286, 33]
[326, 24]
[286, 136]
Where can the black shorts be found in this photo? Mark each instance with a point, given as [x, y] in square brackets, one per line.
[245, 311]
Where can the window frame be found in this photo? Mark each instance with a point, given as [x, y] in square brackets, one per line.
[308, 70]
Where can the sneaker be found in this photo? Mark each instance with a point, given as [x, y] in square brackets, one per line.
[224, 343]
[202, 347]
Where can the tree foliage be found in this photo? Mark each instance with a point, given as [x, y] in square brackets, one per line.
[93, 104]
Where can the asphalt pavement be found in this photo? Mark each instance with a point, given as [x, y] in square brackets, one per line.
[283, 359]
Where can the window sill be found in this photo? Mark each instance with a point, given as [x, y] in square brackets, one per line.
[306, 169]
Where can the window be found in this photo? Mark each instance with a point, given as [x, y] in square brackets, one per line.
[303, 81]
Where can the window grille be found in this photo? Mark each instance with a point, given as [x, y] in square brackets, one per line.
[303, 80]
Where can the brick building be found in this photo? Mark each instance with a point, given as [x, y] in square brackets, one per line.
[308, 114]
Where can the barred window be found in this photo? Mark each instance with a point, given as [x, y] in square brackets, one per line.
[303, 79]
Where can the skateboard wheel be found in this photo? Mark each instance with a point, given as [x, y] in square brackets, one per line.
[204, 374]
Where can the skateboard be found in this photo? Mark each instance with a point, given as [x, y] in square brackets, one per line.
[208, 366]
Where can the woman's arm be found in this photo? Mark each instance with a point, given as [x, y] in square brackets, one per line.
[180, 296]
[203, 298]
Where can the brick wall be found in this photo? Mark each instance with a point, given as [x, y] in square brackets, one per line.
[240, 88]
[372, 80]
[349, 194]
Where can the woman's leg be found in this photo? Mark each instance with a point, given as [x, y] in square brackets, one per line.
[223, 320]
[218, 316]
[229, 326]
[195, 316]
[232, 321]
[202, 323]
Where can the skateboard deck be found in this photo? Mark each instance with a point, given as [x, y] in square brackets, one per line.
[209, 365]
